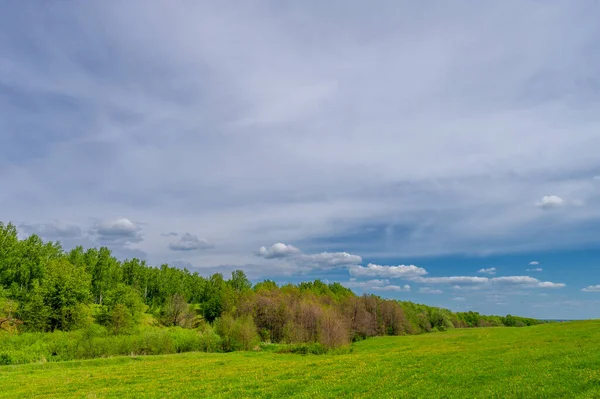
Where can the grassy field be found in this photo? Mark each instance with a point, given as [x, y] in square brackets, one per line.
[546, 361]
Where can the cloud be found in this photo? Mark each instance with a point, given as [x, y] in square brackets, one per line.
[55, 230]
[467, 287]
[491, 271]
[171, 234]
[537, 269]
[516, 281]
[278, 250]
[549, 284]
[453, 280]
[459, 299]
[429, 290]
[534, 262]
[376, 285]
[549, 202]
[526, 281]
[591, 288]
[400, 271]
[323, 260]
[117, 231]
[190, 242]
[332, 259]
[397, 288]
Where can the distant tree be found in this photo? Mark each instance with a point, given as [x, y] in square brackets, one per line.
[34, 312]
[177, 312]
[63, 288]
[239, 282]
[121, 319]
[246, 333]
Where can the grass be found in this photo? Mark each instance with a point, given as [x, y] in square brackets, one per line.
[545, 361]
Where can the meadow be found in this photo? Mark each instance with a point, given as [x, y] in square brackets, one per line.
[544, 361]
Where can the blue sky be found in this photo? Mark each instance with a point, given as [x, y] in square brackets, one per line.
[426, 151]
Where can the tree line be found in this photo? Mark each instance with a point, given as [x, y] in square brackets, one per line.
[44, 288]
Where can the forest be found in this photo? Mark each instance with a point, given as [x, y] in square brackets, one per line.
[81, 303]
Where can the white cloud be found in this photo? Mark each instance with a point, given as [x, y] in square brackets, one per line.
[459, 299]
[429, 290]
[515, 280]
[117, 231]
[549, 284]
[591, 288]
[550, 201]
[526, 281]
[190, 242]
[453, 280]
[537, 269]
[491, 271]
[397, 288]
[467, 287]
[534, 263]
[463, 282]
[376, 285]
[321, 260]
[278, 250]
[400, 271]
[332, 259]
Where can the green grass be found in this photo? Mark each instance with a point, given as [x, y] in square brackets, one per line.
[545, 361]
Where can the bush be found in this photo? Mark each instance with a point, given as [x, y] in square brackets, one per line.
[209, 340]
[237, 334]
[304, 349]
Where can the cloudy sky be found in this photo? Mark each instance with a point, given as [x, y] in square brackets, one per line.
[441, 152]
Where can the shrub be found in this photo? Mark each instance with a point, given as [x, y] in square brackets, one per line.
[303, 349]
[237, 334]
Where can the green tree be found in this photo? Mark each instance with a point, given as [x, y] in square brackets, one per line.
[63, 288]
[239, 282]
[121, 319]
[34, 312]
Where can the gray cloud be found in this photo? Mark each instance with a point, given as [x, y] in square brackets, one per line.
[190, 242]
[52, 231]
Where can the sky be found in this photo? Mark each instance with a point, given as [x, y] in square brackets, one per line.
[440, 152]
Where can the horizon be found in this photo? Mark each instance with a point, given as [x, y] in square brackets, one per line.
[430, 154]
